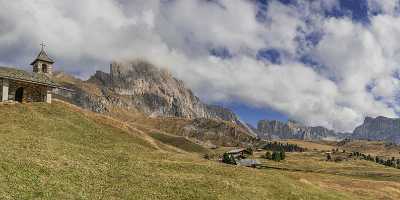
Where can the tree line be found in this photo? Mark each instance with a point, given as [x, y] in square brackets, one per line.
[276, 150]
[277, 146]
[392, 162]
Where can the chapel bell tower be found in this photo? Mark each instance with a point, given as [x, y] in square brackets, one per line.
[43, 64]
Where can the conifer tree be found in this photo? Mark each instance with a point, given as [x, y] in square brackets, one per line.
[228, 159]
[282, 155]
[328, 157]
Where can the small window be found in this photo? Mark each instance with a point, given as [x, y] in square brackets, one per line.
[45, 68]
[35, 68]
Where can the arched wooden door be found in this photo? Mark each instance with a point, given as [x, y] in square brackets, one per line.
[19, 94]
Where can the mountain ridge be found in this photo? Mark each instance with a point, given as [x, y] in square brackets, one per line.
[274, 129]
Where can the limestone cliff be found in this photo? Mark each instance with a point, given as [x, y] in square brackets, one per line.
[380, 128]
[155, 92]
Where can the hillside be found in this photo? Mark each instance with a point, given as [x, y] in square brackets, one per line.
[59, 151]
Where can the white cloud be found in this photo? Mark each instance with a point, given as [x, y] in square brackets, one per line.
[385, 6]
[85, 36]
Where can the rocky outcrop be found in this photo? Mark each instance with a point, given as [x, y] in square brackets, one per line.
[219, 133]
[380, 128]
[292, 130]
[155, 92]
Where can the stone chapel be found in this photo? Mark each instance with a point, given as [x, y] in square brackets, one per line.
[21, 86]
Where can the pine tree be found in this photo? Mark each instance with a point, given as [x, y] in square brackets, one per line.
[282, 155]
[276, 156]
[228, 159]
[273, 156]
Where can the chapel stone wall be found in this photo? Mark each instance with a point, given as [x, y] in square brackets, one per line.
[1, 89]
[32, 93]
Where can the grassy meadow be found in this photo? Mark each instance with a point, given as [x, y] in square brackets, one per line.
[59, 151]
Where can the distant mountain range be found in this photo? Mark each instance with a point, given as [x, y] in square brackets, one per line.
[292, 130]
[379, 128]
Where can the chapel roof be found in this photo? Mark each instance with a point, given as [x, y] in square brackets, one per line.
[42, 56]
[235, 151]
[21, 75]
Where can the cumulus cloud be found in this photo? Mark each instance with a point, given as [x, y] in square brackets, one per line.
[354, 70]
[384, 6]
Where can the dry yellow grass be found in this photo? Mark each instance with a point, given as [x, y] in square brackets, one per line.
[59, 151]
[357, 177]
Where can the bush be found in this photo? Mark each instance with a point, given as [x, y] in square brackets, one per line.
[268, 155]
[249, 150]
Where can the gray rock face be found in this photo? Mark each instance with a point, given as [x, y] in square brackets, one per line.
[151, 90]
[217, 133]
[156, 92]
[292, 130]
[380, 128]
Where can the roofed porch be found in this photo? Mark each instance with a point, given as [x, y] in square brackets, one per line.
[24, 92]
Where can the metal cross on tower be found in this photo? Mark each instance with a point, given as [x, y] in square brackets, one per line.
[43, 45]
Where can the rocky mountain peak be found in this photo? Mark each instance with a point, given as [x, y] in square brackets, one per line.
[368, 119]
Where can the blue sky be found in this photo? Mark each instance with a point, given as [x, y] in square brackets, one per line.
[357, 10]
[322, 63]
[253, 115]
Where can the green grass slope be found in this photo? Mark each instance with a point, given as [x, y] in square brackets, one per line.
[61, 152]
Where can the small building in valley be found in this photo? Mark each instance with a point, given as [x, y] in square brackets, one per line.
[237, 153]
[240, 157]
[22, 86]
